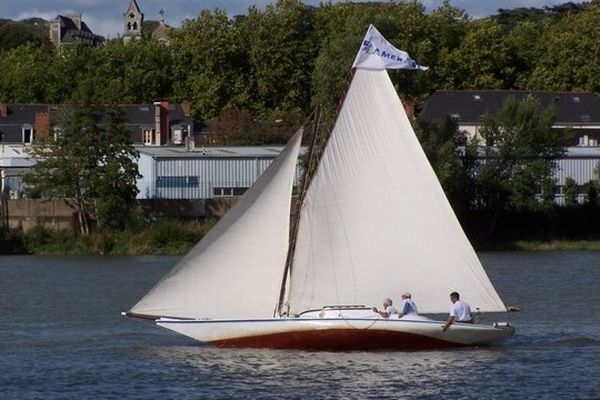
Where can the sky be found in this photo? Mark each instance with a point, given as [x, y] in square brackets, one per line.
[105, 17]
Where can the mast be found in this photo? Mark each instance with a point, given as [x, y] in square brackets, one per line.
[316, 118]
[279, 310]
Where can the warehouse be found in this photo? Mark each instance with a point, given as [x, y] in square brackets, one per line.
[202, 173]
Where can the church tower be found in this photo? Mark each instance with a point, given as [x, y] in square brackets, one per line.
[133, 19]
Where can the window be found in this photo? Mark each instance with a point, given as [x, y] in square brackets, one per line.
[58, 132]
[177, 181]
[177, 136]
[148, 135]
[229, 191]
[27, 134]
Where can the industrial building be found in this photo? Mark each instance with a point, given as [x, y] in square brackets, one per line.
[202, 173]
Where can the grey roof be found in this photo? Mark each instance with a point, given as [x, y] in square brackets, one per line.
[70, 33]
[214, 152]
[18, 116]
[137, 117]
[469, 106]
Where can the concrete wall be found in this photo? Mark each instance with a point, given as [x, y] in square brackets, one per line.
[24, 214]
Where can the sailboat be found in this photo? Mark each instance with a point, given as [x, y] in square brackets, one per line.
[373, 221]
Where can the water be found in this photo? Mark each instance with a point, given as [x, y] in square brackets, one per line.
[61, 336]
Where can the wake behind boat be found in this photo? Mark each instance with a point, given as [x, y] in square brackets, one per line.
[372, 220]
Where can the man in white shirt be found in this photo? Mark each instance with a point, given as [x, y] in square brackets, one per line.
[409, 308]
[459, 311]
[388, 309]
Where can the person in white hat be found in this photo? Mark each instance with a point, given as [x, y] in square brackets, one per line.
[388, 309]
[409, 308]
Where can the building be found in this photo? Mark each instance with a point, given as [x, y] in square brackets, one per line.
[157, 124]
[161, 31]
[133, 20]
[65, 30]
[202, 173]
[133, 25]
[579, 111]
[150, 125]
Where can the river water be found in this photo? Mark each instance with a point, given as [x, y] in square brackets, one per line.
[61, 336]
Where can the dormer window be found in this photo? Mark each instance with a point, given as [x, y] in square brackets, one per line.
[177, 134]
[27, 133]
[58, 132]
[148, 134]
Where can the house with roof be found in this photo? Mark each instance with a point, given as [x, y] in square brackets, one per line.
[577, 111]
[149, 125]
[69, 29]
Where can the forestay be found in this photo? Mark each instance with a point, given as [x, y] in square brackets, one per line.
[375, 221]
[235, 271]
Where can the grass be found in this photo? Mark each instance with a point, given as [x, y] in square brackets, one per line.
[161, 238]
[177, 238]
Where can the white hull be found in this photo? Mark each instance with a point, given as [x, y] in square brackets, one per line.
[335, 333]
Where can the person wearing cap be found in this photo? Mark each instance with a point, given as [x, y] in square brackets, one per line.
[408, 306]
[388, 309]
[460, 311]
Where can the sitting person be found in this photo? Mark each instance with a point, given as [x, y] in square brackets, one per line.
[459, 311]
[388, 309]
[409, 308]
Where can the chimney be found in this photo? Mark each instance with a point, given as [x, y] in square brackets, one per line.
[42, 125]
[157, 123]
[187, 108]
[3, 109]
[164, 122]
[55, 32]
[76, 18]
[190, 140]
[409, 108]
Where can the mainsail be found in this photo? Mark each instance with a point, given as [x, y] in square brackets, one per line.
[235, 271]
[375, 220]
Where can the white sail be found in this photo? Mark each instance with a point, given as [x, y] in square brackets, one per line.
[236, 270]
[376, 222]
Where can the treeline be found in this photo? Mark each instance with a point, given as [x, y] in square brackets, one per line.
[277, 63]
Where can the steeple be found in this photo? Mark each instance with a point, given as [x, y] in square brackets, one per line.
[133, 20]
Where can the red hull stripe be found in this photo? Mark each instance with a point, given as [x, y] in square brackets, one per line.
[337, 340]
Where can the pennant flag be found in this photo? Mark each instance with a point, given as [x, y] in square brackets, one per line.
[377, 53]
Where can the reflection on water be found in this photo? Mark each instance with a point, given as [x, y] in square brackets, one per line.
[62, 337]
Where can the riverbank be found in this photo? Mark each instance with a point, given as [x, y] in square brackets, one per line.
[177, 238]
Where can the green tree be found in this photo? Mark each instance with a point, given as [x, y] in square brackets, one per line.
[89, 163]
[210, 64]
[520, 154]
[571, 192]
[482, 60]
[23, 77]
[282, 52]
[569, 54]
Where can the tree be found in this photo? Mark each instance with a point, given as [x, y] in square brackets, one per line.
[91, 164]
[569, 54]
[571, 192]
[520, 154]
[210, 64]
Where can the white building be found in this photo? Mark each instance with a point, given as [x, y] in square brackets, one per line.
[202, 173]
